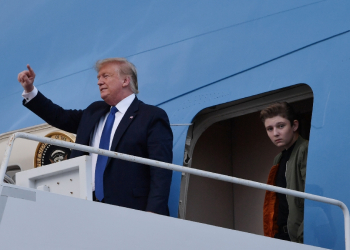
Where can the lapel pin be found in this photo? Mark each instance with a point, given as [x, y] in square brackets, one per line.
[131, 117]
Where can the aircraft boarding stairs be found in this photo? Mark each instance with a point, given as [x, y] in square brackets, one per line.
[33, 217]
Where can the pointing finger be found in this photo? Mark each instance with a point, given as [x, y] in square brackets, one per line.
[31, 71]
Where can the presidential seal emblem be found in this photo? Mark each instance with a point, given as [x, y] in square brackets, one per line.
[46, 154]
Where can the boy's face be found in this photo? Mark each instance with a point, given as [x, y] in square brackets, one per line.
[281, 132]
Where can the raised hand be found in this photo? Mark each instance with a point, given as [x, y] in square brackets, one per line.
[26, 78]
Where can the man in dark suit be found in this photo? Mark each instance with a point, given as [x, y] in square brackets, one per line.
[120, 123]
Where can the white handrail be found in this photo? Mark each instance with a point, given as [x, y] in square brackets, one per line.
[176, 168]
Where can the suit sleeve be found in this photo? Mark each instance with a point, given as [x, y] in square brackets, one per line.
[160, 147]
[67, 120]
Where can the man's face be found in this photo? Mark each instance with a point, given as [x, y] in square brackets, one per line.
[111, 85]
[280, 131]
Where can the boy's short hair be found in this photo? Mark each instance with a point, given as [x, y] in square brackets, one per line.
[282, 109]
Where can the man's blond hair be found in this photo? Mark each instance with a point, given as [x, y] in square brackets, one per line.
[125, 68]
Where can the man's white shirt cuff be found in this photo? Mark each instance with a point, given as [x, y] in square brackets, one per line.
[29, 96]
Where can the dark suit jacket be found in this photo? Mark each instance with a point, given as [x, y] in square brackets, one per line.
[143, 131]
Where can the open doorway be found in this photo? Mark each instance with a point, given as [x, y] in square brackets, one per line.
[230, 139]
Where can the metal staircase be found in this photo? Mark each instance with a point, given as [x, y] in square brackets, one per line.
[34, 219]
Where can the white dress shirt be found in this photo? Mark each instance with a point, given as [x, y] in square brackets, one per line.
[122, 107]
[29, 96]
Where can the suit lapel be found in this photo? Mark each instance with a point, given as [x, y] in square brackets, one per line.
[93, 121]
[127, 119]
[88, 125]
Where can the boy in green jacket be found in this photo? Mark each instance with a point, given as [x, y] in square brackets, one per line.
[284, 214]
